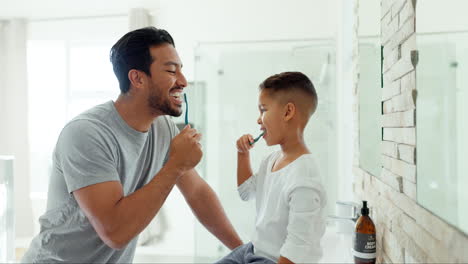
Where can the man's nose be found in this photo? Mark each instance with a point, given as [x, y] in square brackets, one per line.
[181, 81]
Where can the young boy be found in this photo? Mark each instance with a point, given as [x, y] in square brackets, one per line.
[290, 199]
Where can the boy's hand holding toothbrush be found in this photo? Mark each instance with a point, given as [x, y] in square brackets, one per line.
[245, 143]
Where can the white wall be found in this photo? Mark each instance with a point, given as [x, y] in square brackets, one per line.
[191, 22]
[14, 117]
[344, 96]
[440, 16]
[2, 86]
[203, 20]
[369, 18]
[433, 16]
[75, 29]
[33, 9]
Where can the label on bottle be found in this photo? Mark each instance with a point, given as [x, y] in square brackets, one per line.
[364, 247]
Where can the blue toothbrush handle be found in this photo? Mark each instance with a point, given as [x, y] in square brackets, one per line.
[186, 109]
[257, 138]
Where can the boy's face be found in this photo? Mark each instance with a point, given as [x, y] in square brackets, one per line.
[271, 118]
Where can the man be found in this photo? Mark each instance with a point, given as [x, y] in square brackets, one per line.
[115, 164]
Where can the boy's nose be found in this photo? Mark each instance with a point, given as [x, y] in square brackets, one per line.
[259, 120]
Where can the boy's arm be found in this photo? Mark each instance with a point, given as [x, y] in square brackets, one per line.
[306, 224]
[244, 170]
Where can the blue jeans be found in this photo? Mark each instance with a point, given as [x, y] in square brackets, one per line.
[244, 255]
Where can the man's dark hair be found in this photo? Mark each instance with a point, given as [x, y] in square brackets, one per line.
[132, 51]
[286, 82]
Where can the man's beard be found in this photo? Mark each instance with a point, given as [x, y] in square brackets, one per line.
[160, 106]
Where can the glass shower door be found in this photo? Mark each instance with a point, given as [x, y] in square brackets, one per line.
[230, 74]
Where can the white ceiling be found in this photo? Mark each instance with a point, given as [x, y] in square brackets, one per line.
[39, 9]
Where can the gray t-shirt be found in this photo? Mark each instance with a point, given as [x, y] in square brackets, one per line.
[96, 146]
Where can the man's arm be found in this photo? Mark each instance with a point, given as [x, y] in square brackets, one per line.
[116, 218]
[284, 260]
[207, 208]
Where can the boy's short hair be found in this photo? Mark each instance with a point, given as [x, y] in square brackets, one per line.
[292, 83]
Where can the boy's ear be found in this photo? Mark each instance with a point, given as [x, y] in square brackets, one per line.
[289, 111]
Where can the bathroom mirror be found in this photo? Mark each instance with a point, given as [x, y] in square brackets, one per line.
[369, 87]
[369, 93]
[442, 122]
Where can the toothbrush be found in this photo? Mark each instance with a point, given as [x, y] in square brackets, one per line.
[257, 138]
[186, 109]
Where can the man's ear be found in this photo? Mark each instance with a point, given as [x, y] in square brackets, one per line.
[289, 111]
[137, 78]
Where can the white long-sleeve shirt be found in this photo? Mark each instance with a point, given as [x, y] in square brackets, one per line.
[290, 209]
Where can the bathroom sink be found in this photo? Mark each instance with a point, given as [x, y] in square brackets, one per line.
[336, 249]
[336, 246]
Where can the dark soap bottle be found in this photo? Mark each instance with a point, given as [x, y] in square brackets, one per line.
[364, 238]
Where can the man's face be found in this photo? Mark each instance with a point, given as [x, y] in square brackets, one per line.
[165, 91]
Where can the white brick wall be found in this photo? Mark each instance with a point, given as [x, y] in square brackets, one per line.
[408, 82]
[390, 90]
[407, 153]
[401, 102]
[406, 232]
[401, 135]
[390, 149]
[401, 168]
[399, 119]
[392, 180]
[409, 188]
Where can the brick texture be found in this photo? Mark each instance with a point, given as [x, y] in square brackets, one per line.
[406, 232]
